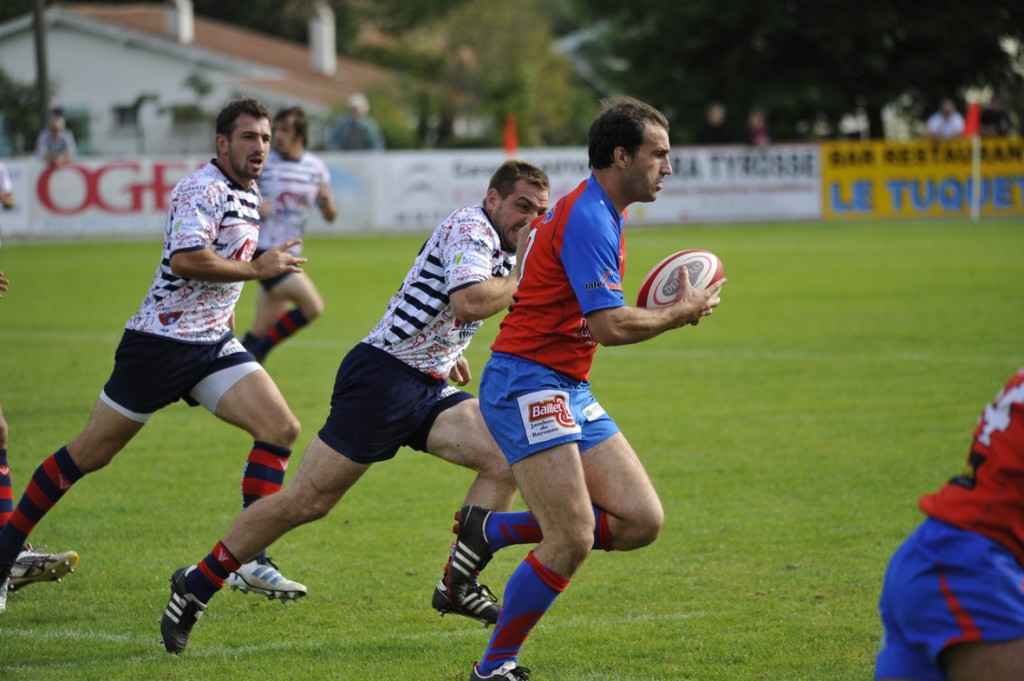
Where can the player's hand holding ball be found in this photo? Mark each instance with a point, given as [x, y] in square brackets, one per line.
[665, 284]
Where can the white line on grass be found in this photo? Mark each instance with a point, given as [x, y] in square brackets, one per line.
[207, 650]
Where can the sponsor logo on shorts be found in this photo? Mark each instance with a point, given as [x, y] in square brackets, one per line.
[232, 347]
[557, 407]
[546, 416]
[593, 411]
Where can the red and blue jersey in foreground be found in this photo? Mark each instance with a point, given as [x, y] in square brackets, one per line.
[989, 497]
[573, 266]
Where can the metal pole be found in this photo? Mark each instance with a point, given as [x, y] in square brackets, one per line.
[42, 74]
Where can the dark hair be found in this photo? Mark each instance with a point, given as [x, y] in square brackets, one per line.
[228, 116]
[299, 122]
[511, 171]
[621, 124]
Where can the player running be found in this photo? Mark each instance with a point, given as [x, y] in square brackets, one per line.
[293, 183]
[179, 344]
[580, 478]
[392, 390]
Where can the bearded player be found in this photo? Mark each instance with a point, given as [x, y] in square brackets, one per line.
[180, 345]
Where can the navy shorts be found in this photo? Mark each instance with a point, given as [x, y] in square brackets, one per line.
[946, 586]
[380, 404]
[151, 372]
[269, 284]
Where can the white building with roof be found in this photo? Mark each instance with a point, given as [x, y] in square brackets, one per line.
[147, 78]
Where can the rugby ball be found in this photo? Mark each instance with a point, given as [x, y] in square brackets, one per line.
[661, 284]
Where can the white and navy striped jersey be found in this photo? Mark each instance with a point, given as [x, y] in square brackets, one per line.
[290, 189]
[208, 210]
[419, 327]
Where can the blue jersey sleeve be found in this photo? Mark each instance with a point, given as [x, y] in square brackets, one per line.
[590, 255]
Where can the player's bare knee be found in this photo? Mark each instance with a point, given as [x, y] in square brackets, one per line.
[318, 505]
[577, 550]
[313, 310]
[494, 465]
[282, 430]
[573, 541]
[647, 525]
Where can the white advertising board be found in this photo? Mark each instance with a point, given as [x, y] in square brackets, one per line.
[414, 190]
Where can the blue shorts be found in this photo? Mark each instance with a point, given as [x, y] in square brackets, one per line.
[151, 372]
[381, 403]
[946, 586]
[529, 408]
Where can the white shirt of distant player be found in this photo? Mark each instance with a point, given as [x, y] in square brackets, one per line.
[419, 327]
[6, 185]
[208, 210]
[945, 128]
[290, 188]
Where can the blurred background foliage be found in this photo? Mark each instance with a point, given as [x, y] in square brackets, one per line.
[466, 64]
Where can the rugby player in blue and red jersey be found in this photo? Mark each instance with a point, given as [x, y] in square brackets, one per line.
[582, 481]
[179, 345]
[952, 604]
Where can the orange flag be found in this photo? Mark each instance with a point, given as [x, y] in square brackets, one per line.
[973, 120]
[511, 135]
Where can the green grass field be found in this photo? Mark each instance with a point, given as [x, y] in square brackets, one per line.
[789, 436]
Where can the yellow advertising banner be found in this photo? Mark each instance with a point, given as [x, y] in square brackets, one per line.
[864, 180]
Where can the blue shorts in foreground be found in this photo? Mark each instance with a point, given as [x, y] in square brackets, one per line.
[381, 403]
[529, 408]
[946, 586]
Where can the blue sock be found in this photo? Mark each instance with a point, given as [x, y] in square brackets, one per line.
[530, 592]
[507, 529]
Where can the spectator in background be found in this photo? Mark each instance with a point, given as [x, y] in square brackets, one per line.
[56, 144]
[715, 130]
[995, 122]
[6, 189]
[357, 131]
[946, 123]
[757, 128]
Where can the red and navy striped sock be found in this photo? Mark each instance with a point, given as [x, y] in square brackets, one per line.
[212, 572]
[52, 479]
[530, 592]
[6, 491]
[506, 529]
[264, 471]
[287, 325]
